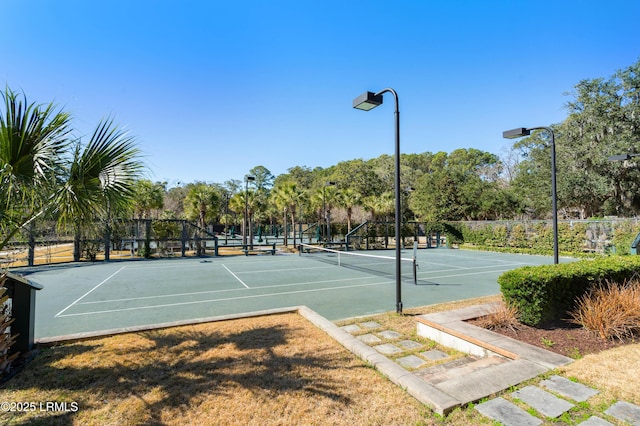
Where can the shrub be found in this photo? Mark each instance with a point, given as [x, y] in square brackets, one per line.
[611, 310]
[624, 234]
[548, 292]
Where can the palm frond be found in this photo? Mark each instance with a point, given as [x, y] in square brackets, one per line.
[33, 143]
[33, 138]
[101, 175]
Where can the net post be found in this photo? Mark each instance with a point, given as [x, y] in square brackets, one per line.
[415, 262]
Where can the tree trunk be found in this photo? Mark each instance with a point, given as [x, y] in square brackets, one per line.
[286, 236]
[250, 236]
[76, 246]
[293, 225]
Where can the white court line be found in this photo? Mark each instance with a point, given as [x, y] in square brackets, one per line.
[287, 269]
[195, 293]
[219, 300]
[85, 295]
[476, 257]
[442, 264]
[234, 275]
[462, 275]
[469, 267]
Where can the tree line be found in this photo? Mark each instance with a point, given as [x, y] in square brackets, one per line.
[603, 119]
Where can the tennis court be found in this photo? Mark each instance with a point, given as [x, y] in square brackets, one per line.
[84, 298]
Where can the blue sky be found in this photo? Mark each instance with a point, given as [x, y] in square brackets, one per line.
[213, 88]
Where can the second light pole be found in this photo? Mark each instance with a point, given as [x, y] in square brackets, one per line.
[521, 131]
[366, 102]
[245, 228]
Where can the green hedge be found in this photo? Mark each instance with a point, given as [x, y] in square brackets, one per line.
[548, 292]
[536, 237]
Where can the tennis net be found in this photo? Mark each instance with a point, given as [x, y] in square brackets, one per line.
[372, 263]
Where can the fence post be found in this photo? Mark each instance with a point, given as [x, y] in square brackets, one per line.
[183, 239]
[147, 238]
[32, 244]
[107, 242]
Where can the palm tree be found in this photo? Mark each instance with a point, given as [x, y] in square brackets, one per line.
[370, 205]
[324, 199]
[385, 206]
[42, 171]
[377, 206]
[148, 196]
[279, 199]
[348, 199]
[99, 180]
[226, 219]
[33, 142]
[237, 204]
[200, 203]
[290, 197]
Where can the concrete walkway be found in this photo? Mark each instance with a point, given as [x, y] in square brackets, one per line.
[480, 364]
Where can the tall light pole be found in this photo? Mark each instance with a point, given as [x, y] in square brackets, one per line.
[367, 101]
[246, 210]
[522, 131]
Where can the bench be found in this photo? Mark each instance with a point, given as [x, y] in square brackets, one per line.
[271, 248]
[169, 249]
[336, 245]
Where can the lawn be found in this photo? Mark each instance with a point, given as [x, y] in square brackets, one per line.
[277, 369]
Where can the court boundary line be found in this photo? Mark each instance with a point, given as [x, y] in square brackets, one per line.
[226, 290]
[87, 293]
[235, 276]
[66, 338]
[466, 268]
[424, 275]
[463, 275]
[195, 302]
[487, 254]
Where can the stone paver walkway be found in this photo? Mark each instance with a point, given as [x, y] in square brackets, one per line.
[553, 403]
[549, 399]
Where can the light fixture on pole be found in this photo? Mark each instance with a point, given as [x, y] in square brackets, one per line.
[366, 102]
[246, 210]
[522, 131]
[622, 157]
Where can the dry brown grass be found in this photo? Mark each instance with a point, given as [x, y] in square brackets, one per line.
[502, 316]
[61, 253]
[612, 310]
[614, 372]
[270, 370]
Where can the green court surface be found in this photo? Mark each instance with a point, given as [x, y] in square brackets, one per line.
[85, 298]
